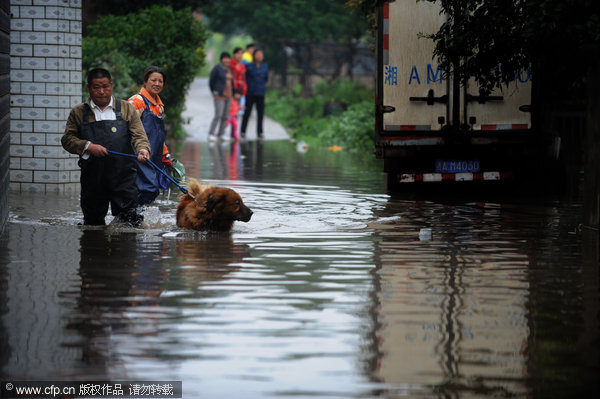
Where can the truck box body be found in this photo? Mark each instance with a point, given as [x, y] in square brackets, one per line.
[430, 129]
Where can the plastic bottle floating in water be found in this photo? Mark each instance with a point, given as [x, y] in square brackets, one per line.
[425, 234]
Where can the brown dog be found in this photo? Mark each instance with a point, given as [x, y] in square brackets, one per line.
[215, 208]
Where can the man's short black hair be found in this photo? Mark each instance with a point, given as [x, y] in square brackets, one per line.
[237, 50]
[98, 73]
[225, 54]
[250, 45]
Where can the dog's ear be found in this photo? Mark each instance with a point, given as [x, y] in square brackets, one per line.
[214, 200]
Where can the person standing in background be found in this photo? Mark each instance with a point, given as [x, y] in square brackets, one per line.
[247, 56]
[220, 83]
[257, 75]
[239, 82]
[152, 110]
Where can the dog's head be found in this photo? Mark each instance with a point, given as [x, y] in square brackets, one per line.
[228, 203]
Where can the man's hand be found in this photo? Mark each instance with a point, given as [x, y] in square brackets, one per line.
[143, 155]
[96, 150]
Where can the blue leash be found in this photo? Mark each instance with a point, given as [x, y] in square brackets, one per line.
[183, 189]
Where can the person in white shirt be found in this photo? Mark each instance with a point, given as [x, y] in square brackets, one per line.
[100, 124]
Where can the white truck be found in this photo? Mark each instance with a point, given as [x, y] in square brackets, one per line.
[431, 129]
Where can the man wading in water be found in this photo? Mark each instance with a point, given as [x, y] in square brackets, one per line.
[100, 124]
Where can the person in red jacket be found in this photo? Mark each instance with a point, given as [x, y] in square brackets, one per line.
[239, 81]
[239, 72]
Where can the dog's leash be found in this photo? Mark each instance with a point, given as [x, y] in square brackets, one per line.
[183, 189]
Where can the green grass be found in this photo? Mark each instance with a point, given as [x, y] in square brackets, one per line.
[341, 113]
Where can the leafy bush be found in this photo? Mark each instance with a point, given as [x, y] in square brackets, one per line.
[341, 113]
[353, 129]
[127, 45]
[343, 91]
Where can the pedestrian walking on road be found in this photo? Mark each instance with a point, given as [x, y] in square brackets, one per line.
[257, 75]
[100, 124]
[151, 110]
[221, 86]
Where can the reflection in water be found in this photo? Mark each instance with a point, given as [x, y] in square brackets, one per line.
[280, 162]
[330, 291]
[5, 349]
[40, 284]
[463, 306]
[210, 258]
[445, 302]
[224, 161]
[107, 268]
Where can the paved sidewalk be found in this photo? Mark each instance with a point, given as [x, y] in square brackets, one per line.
[200, 110]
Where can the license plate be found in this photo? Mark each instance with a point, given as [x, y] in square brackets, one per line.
[471, 166]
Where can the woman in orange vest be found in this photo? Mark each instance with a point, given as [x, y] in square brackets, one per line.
[151, 108]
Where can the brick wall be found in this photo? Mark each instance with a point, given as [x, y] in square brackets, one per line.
[4, 108]
[45, 72]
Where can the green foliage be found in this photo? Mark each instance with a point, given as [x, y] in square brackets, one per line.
[120, 7]
[273, 22]
[127, 45]
[559, 37]
[353, 129]
[466, 37]
[343, 91]
[340, 113]
[366, 8]
[217, 43]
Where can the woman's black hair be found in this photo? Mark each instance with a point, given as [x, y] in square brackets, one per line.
[257, 50]
[150, 70]
[237, 50]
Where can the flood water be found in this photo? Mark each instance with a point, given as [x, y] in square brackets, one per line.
[334, 289]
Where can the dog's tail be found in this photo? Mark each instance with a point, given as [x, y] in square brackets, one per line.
[195, 187]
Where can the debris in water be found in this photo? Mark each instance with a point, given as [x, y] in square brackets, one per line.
[302, 147]
[425, 234]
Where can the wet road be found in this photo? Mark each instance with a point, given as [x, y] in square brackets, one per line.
[334, 289]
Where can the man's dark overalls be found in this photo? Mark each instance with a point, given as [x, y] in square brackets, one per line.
[108, 179]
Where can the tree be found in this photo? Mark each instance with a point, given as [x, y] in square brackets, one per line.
[276, 24]
[127, 45]
[495, 39]
[92, 10]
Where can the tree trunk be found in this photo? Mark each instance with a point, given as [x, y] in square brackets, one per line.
[284, 70]
[307, 71]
